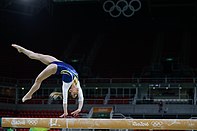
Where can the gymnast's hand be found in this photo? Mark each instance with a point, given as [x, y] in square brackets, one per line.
[64, 115]
[76, 112]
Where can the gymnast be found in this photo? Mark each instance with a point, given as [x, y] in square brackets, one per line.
[70, 79]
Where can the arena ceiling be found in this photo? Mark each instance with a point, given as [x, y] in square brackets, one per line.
[55, 26]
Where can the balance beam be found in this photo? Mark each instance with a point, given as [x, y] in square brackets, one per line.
[89, 123]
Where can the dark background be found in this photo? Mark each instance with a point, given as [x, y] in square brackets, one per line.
[104, 46]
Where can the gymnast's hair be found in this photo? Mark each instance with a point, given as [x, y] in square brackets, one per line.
[55, 95]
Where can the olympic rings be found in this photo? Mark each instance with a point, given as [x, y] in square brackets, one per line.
[121, 7]
[157, 123]
[32, 122]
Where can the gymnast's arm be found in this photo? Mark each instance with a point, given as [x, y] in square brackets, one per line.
[80, 100]
[65, 88]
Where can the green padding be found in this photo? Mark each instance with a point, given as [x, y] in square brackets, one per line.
[38, 129]
[10, 129]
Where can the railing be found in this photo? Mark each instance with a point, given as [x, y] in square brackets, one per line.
[13, 83]
[49, 81]
[101, 101]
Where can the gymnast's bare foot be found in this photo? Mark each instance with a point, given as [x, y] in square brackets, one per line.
[19, 48]
[26, 97]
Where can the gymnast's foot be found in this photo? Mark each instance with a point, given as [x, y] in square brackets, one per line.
[26, 97]
[19, 48]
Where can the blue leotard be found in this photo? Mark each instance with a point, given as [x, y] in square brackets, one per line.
[67, 71]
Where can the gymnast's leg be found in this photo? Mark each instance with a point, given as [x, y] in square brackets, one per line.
[48, 71]
[46, 59]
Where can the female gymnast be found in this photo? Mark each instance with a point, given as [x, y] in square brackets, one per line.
[70, 78]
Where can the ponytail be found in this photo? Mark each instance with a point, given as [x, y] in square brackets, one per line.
[55, 95]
